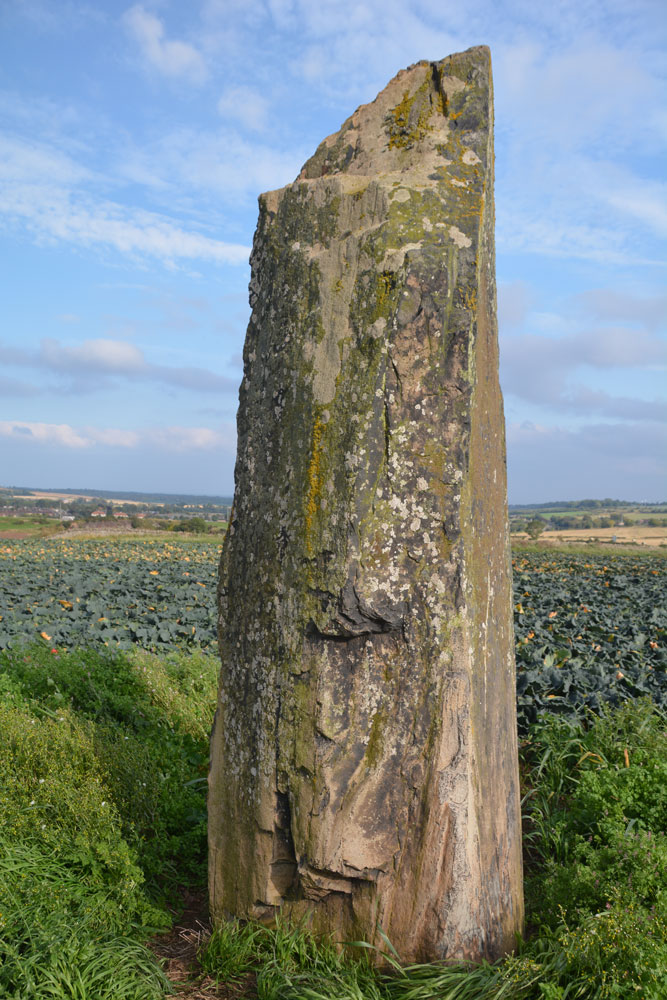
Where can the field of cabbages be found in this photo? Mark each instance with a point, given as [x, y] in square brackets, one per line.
[589, 628]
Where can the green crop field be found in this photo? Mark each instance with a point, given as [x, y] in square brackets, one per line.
[589, 629]
[122, 593]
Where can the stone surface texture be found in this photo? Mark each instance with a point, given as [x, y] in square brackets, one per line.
[364, 757]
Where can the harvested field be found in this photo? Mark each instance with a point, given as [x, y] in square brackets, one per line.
[628, 535]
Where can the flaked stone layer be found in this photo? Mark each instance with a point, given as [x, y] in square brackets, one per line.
[364, 756]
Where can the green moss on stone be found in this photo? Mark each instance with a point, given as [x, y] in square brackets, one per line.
[375, 743]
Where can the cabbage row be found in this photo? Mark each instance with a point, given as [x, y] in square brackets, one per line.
[589, 630]
[157, 595]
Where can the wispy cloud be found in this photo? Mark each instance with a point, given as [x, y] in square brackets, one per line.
[167, 439]
[53, 197]
[220, 164]
[105, 358]
[555, 463]
[246, 106]
[171, 57]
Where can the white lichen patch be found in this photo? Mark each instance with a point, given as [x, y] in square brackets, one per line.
[470, 157]
[394, 258]
[459, 238]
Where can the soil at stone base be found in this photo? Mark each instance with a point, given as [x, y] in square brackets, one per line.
[178, 949]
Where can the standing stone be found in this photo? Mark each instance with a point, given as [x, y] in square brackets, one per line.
[364, 756]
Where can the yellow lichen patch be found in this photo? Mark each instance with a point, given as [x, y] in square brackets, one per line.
[315, 480]
[404, 133]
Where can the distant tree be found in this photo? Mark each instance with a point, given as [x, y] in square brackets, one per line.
[196, 524]
[535, 527]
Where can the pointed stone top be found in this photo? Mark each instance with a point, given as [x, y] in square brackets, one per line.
[411, 118]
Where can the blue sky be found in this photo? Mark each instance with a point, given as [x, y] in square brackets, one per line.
[135, 139]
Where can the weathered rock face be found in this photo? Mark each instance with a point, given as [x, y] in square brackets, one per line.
[364, 757]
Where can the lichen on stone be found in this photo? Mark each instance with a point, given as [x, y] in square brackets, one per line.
[364, 751]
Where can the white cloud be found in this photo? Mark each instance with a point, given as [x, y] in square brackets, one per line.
[221, 163]
[57, 434]
[645, 202]
[535, 223]
[185, 438]
[571, 97]
[172, 58]
[112, 437]
[554, 463]
[166, 439]
[48, 193]
[246, 106]
[104, 357]
[110, 356]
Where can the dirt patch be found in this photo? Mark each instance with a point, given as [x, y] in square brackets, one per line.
[178, 951]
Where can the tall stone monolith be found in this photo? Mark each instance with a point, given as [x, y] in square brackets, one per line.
[364, 754]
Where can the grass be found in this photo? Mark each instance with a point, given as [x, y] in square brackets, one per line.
[595, 814]
[36, 526]
[520, 545]
[102, 816]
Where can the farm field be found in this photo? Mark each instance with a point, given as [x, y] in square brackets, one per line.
[122, 593]
[589, 628]
[635, 534]
[16, 527]
[108, 671]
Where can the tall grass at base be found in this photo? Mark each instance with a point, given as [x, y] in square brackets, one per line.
[64, 935]
[595, 816]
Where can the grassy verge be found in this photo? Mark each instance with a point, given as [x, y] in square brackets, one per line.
[596, 888]
[33, 527]
[102, 815]
[520, 546]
